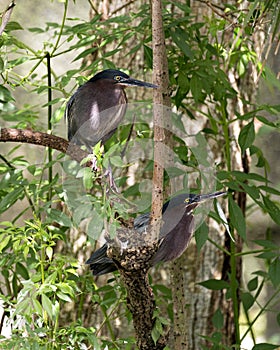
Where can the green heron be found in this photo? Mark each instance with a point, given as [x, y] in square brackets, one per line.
[98, 107]
[174, 236]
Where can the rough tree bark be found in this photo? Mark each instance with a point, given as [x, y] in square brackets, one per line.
[42, 139]
[161, 101]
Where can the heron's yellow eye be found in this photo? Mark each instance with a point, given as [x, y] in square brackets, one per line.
[187, 200]
[117, 77]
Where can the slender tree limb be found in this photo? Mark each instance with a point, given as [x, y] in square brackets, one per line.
[43, 139]
[162, 118]
[160, 77]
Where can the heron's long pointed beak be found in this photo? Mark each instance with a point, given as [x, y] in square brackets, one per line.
[204, 197]
[135, 82]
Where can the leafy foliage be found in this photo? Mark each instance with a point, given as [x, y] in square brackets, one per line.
[39, 282]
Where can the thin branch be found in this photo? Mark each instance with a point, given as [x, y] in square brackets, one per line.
[218, 10]
[93, 7]
[122, 7]
[160, 77]
[43, 139]
[49, 77]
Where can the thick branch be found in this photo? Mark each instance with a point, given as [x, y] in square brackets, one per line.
[43, 139]
[133, 263]
[141, 303]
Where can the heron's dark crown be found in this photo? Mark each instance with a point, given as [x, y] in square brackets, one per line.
[182, 199]
[190, 198]
[109, 74]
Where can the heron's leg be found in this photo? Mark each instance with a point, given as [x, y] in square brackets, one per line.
[108, 173]
[93, 161]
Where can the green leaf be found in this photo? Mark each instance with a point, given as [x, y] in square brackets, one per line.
[183, 82]
[36, 30]
[24, 307]
[86, 53]
[4, 242]
[11, 198]
[253, 284]
[47, 305]
[88, 178]
[272, 209]
[265, 121]
[201, 236]
[214, 284]
[63, 296]
[247, 300]
[158, 326]
[178, 123]
[148, 56]
[2, 64]
[246, 136]
[222, 216]
[266, 243]
[251, 190]
[251, 176]
[155, 335]
[269, 189]
[163, 289]
[116, 161]
[264, 346]
[163, 320]
[95, 226]
[274, 272]
[196, 88]
[22, 270]
[218, 319]
[180, 38]
[49, 252]
[174, 172]
[268, 255]
[59, 217]
[12, 25]
[37, 307]
[82, 211]
[237, 218]
[66, 288]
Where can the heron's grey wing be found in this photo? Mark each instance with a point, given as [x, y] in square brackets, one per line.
[106, 266]
[98, 255]
[68, 116]
[99, 262]
[141, 222]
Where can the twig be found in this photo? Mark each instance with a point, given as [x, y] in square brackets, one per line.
[128, 137]
[122, 7]
[43, 139]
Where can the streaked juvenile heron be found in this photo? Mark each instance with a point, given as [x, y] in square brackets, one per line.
[174, 237]
[98, 107]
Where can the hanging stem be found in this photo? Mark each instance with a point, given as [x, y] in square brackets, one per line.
[49, 150]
